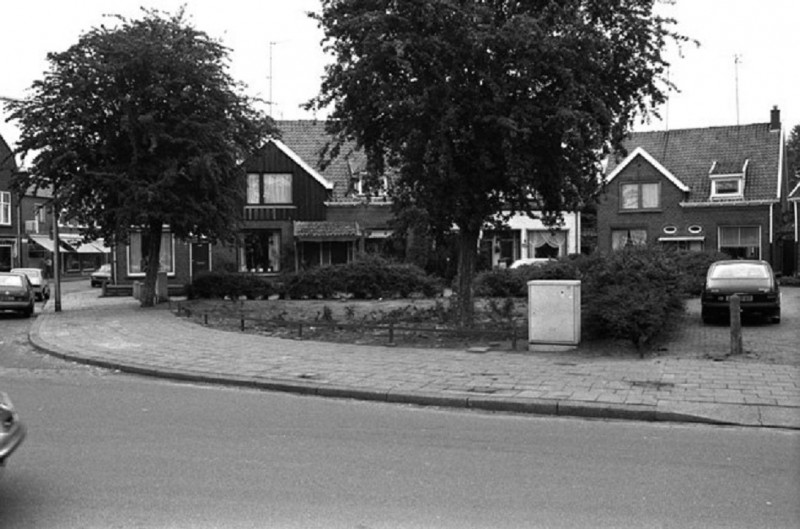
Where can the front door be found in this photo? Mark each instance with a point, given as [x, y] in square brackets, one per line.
[5, 257]
[201, 257]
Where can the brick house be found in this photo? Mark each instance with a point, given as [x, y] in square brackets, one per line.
[303, 209]
[716, 188]
[794, 204]
[9, 224]
[300, 211]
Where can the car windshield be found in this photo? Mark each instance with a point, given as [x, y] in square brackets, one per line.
[740, 271]
[10, 281]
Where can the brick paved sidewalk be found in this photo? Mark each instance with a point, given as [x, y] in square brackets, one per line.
[115, 332]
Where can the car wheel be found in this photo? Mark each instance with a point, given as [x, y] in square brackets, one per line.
[27, 313]
[776, 318]
[706, 316]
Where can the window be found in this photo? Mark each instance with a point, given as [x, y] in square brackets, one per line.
[627, 237]
[727, 187]
[5, 208]
[545, 244]
[137, 253]
[743, 242]
[271, 188]
[262, 251]
[640, 196]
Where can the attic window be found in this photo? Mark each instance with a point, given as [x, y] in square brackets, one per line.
[726, 181]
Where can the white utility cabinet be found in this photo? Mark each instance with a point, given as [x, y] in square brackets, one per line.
[554, 315]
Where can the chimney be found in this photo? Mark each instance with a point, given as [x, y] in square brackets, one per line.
[775, 118]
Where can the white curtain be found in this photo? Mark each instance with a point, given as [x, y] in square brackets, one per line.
[277, 188]
[554, 239]
[252, 189]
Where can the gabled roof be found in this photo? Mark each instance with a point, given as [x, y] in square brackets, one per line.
[309, 140]
[689, 155]
[652, 161]
[302, 163]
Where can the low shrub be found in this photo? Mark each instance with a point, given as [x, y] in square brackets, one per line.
[635, 293]
[370, 277]
[503, 282]
[231, 285]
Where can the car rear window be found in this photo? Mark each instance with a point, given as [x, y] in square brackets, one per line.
[740, 271]
[10, 281]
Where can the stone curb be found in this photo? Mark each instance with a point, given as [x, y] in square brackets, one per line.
[673, 412]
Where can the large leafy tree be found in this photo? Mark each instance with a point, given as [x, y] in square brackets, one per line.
[793, 154]
[138, 126]
[491, 105]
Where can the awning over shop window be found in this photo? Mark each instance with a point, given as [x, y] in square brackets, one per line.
[79, 246]
[43, 241]
[71, 244]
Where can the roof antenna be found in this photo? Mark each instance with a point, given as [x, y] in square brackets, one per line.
[736, 60]
[666, 116]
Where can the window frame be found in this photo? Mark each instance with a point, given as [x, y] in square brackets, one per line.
[263, 186]
[633, 240]
[165, 233]
[716, 180]
[639, 196]
[740, 227]
[5, 208]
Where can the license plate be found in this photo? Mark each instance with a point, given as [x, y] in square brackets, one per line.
[6, 298]
[741, 298]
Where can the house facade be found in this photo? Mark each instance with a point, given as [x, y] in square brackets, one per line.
[9, 223]
[794, 205]
[716, 188]
[305, 208]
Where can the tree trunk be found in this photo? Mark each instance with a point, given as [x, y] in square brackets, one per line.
[152, 258]
[467, 254]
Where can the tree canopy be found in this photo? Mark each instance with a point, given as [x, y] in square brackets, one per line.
[485, 106]
[139, 125]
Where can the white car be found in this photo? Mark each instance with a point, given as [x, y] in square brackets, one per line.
[12, 431]
[41, 288]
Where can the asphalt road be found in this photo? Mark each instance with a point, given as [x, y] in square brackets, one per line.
[110, 450]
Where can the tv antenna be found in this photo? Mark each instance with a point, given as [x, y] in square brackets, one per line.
[271, 100]
[737, 58]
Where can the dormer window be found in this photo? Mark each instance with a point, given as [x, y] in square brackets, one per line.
[727, 182]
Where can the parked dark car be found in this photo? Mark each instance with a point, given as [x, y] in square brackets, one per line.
[41, 287]
[102, 274]
[16, 293]
[754, 282]
[12, 431]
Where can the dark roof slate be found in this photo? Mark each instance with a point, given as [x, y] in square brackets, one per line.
[326, 230]
[309, 140]
[689, 154]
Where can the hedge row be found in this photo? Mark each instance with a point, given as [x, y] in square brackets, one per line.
[633, 294]
[368, 278]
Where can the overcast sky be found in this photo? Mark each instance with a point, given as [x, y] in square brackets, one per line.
[762, 33]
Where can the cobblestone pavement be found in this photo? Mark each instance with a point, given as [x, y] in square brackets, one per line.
[117, 333]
